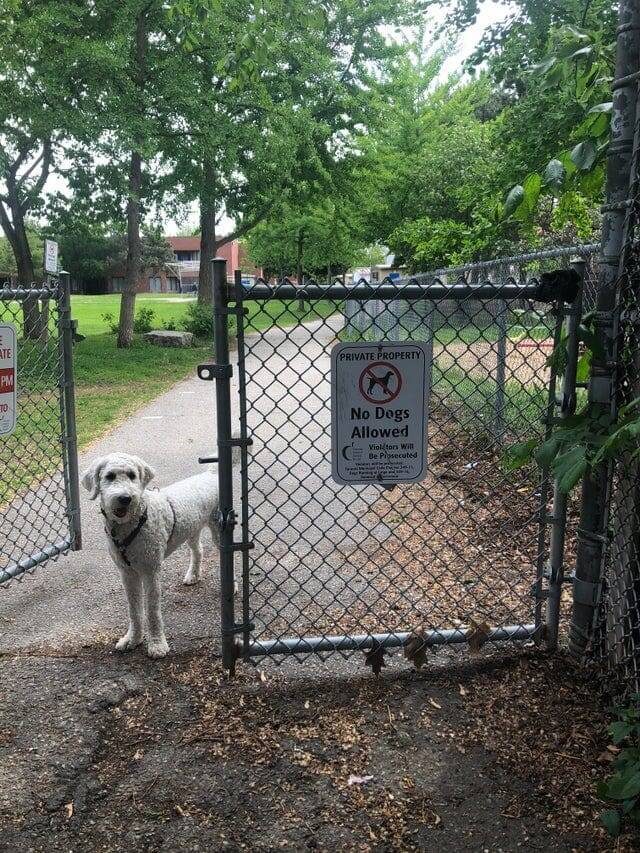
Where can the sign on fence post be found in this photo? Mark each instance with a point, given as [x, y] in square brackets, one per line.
[8, 365]
[51, 257]
[379, 400]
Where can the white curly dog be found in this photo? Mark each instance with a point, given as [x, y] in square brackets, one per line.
[144, 526]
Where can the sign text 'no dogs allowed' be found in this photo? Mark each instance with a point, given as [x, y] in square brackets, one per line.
[379, 400]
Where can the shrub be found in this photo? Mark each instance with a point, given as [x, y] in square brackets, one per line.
[143, 321]
[170, 325]
[622, 788]
[110, 320]
[199, 321]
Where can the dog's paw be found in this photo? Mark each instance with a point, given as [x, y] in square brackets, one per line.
[128, 642]
[191, 578]
[157, 648]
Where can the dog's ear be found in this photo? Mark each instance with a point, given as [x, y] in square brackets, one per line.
[145, 472]
[91, 477]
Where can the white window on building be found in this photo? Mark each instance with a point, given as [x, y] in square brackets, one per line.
[174, 284]
[155, 284]
[117, 284]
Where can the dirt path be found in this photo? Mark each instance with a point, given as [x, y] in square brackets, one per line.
[116, 754]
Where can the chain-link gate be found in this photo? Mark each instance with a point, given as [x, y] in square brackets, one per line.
[39, 499]
[474, 553]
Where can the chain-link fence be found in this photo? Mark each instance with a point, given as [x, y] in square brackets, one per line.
[39, 515]
[615, 648]
[460, 557]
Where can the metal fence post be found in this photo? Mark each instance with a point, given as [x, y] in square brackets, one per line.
[567, 403]
[226, 515]
[70, 454]
[592, 535]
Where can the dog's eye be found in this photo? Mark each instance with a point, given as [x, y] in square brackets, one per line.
[110, 477]
[131, 475]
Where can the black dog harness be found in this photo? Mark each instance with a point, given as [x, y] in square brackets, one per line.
[121, 546]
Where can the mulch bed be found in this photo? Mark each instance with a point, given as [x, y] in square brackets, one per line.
[495, 755]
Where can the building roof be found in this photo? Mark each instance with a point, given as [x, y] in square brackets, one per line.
[184, 244]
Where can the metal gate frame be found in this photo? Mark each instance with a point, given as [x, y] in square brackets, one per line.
[56, 291]
[556, 289]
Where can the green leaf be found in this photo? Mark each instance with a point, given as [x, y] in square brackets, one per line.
[570, 467]
[631, 787]
[611, 821]
[575, 33]
[620, 731]
[531, 193]
[582, 53]
[513, 200]
[606, 107]
[584, 155]
[518, 455]
[554, 174]
[547, 451]
[583, 368]
[544, 66]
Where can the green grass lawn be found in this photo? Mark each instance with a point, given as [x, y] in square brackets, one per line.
[89, 310]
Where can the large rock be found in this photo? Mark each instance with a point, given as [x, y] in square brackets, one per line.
[163, 338]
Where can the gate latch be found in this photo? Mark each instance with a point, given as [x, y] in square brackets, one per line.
[227, 519]
[215, 371]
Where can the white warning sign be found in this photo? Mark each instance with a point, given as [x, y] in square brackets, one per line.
[379, 402]
[8, 364]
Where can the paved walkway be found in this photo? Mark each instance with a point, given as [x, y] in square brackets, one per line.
[79, 598]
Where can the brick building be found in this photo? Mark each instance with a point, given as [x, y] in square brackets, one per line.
[182, 276]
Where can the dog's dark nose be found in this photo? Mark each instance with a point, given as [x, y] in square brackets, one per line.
[124, 500]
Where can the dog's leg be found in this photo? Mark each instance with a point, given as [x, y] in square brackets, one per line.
[194, 572]
[157, 646]
[132, 583]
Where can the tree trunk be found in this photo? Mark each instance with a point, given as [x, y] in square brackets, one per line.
[208, 244]
[134, 247]
[16, 233]
[134, 253]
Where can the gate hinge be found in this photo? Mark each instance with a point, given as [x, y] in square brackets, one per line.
[238, 628]
[538, 592]
[235, 442]
[215, 371]
[585, 592]
[227, 519]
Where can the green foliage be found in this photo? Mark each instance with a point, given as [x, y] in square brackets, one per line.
[109, 319]
[622, 788]
[580, 443]
[143, 321]
[199, 321]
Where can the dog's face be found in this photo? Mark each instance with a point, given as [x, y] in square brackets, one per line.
[120, 480]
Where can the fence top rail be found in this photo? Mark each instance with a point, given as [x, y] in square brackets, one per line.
[18, 294]
[547, 288]
[582, 250]
[409, 288]
[427, 285]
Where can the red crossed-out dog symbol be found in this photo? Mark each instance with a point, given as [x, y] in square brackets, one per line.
[380, 382]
